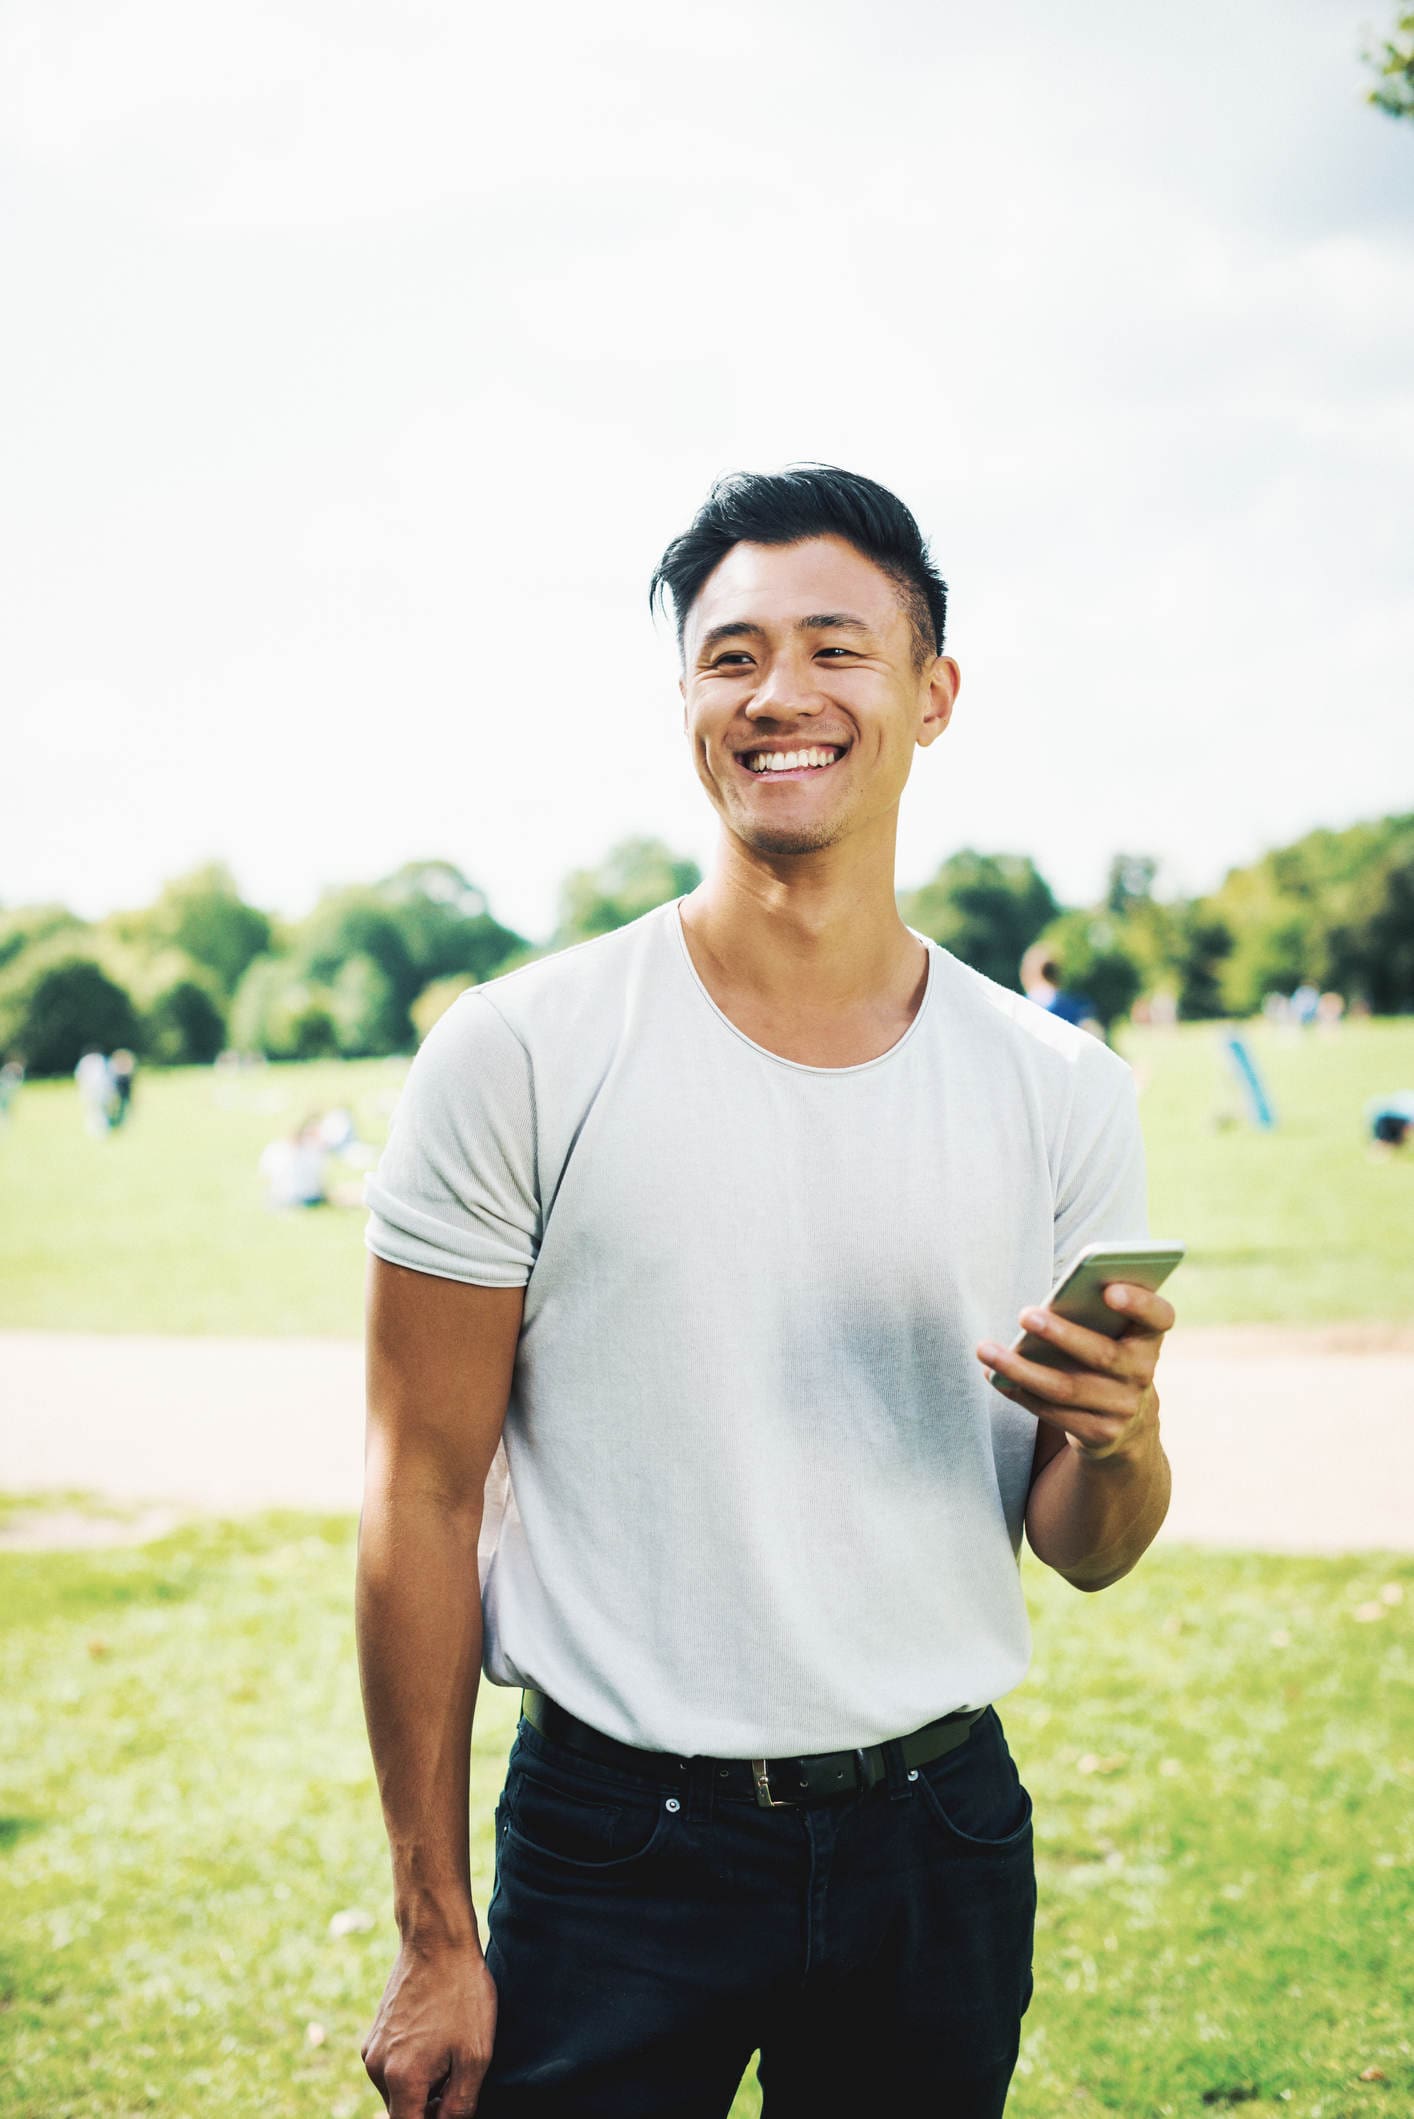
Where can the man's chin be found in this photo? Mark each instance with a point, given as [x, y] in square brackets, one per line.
[782, 841]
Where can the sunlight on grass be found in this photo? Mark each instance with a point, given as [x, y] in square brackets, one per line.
[1221, 1751]
[1297, 1226]
[163, 1228]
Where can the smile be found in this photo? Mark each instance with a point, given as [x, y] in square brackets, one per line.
[813, 759]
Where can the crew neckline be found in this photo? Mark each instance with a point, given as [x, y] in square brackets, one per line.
[674, 910]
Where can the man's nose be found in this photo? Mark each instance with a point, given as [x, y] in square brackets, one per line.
[787, 688]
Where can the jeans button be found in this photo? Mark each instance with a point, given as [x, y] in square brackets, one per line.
[673, 1804]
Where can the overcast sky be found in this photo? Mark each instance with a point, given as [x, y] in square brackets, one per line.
[360, 357]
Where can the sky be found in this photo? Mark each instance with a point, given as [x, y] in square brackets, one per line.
[362, 355]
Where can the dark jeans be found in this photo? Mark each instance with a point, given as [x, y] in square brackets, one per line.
[646, 1938]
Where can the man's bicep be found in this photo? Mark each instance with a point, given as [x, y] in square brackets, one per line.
[440, 1354]
[1050, 1441]
[1050, 1444]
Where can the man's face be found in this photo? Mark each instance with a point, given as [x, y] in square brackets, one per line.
[803, 698]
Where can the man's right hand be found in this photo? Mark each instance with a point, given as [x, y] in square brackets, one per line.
[433, 2032]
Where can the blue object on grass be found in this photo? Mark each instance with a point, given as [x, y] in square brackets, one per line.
[1249, 1080]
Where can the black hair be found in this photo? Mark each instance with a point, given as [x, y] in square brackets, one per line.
[786, 507]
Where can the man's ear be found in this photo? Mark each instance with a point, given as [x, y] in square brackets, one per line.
[944, 684]
[682, 694]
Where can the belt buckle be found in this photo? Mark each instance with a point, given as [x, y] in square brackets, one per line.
[760, 1773]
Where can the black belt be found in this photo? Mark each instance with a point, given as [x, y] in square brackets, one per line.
[775, 1782]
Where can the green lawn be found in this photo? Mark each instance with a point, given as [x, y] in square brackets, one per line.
[162, 1228]
[1221, 1750]
[1299, 1225]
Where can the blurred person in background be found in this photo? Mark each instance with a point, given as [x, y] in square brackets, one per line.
[95, 1079]
[1042, 982]
[1389, 1121]
[296, 1167]
[339, 1132]
[293, 1167]
[684, 1246]
[122, 1069]
[12, 1076]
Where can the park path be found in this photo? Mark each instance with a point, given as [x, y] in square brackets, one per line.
[1280, 1440]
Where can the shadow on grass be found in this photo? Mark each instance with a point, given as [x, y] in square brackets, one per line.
[14, 1829]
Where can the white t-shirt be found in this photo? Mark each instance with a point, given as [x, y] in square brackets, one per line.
[762, 1499]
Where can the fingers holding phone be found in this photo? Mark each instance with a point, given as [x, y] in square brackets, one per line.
[1085, 1361]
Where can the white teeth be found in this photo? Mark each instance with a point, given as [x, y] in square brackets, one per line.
[785, 761]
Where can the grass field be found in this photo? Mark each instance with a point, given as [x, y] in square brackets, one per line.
[162, 1228]
[1296, 1226]
[1221, 1751]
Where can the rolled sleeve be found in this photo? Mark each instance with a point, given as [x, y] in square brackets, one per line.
[455, 1191]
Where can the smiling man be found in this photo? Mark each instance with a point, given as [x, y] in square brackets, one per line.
[719, 1224]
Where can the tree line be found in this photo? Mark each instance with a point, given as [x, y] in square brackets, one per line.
[370, 968]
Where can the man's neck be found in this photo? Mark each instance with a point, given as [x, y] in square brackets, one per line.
[807, 955]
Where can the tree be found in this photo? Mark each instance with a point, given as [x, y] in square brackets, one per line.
[204, 915]
[1371, 950]
[56, 1004]
[1394, 68]
[308, 1030]
[368, 1016]
[281, 1013]
[28, 925]
[633, 877]
[1148, 931]
[1326, 910]
[986, 908]
[1275, 953]
[183, 1026]
[1130, 883]
[253, 1003]
[445, 923]
[1204, 944]
[1090, 949]
[355, 921]
[425, 922]
[434, 1001]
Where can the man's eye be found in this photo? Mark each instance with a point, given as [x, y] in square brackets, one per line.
[730, 661]
[835, 651]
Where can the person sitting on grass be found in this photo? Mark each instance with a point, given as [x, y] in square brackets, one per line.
[296, 1168]
[1389, 1121]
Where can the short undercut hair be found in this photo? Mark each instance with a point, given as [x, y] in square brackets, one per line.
[786, 507]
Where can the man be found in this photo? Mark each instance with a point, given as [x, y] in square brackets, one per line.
[722, 1221]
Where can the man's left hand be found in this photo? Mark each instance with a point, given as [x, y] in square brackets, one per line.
[1105, 1404]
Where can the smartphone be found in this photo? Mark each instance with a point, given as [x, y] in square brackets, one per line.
[1079, 1294]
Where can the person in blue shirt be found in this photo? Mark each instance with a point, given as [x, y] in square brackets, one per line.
[1041, 983]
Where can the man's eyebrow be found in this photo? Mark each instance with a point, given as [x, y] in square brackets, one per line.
[743, 628]
[733, 629]
[820, 621]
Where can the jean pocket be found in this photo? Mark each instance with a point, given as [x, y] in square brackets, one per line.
[587, 1828]
[975, 1793]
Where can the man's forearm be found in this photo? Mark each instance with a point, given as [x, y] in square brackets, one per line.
[1091, 1518]
[419, 1640]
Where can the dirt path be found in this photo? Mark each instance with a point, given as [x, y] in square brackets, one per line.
[1280, 1440]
